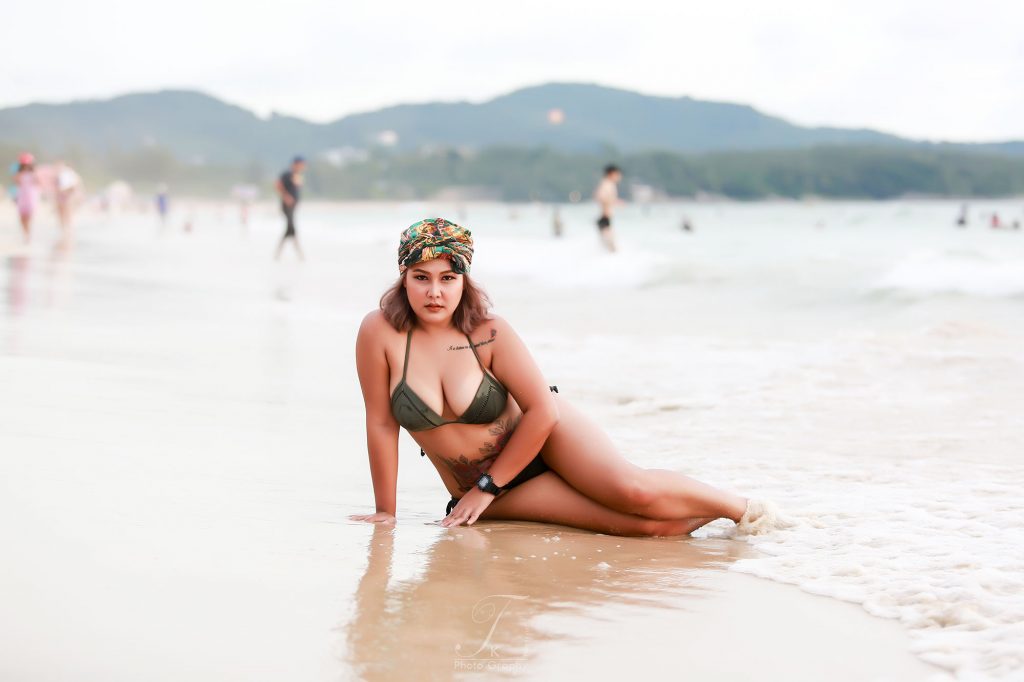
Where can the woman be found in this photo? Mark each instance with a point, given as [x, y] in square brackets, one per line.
[460, 380]
[27, 186]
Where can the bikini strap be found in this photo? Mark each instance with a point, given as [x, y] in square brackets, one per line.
[473, 348]
[408, 342]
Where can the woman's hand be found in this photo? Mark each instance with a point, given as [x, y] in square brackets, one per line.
[379, 517]
[468, 509]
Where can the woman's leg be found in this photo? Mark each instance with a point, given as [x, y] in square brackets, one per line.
[581, 453]
[549, 499]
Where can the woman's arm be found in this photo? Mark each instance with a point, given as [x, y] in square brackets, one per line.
[381, 427]
[514, 367]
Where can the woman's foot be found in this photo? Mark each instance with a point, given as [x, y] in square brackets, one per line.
[762, 516]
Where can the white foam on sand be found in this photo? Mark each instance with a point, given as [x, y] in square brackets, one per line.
[906, 479]
[917, 549]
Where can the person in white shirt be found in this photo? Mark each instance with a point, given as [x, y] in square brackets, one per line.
[68, 184]
[607, 197]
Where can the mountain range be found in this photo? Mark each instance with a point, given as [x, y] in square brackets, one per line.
[198, 128]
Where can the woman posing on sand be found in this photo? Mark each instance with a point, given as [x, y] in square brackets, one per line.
[459, 379]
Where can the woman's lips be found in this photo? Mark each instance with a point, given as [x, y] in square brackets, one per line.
[435, 307]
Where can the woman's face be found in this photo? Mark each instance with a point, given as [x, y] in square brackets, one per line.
[434, 290]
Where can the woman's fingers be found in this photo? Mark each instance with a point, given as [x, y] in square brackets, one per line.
[456, 518]
[453, 518]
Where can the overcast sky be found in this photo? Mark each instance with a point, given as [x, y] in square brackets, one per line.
[922, 68]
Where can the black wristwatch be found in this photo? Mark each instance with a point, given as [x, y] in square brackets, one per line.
[486, 483]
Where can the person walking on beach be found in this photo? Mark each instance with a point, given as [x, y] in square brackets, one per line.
[288, 188]
[69, 185]
[27, 184]
[607, 197]
[434, 360]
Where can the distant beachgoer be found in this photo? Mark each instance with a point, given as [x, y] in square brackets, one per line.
[961, 220]
[288, 187]
[540, 458]
[607, 196]
[687, 225]
[27, 198]
[996, 223]
[245, 195]
[69, 184]
[556, 222]
[163, 204]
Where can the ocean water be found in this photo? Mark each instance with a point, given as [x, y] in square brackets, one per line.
[860, 363]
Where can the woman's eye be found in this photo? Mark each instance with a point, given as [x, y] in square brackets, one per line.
[421, 278]
[449, 277]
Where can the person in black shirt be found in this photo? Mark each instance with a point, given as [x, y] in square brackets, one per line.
[287, 187]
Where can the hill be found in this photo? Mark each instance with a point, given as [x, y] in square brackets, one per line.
[200, 129]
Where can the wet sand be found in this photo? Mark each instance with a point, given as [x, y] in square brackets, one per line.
[181, 447]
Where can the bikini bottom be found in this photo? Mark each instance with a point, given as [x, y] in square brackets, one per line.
[534, 468]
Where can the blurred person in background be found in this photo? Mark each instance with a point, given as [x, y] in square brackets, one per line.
[245, 195]
[27, 184]
[288, 188]
[163, 203]
[68, 188]
[607, 197]
[557, 225]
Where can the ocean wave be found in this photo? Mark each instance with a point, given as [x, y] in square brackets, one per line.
[953, 271]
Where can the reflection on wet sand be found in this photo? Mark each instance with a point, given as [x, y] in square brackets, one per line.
[17, 284]
[482, 598]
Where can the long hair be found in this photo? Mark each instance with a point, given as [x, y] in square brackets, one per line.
[473, 309]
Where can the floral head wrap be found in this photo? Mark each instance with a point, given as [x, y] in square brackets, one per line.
[436, 238]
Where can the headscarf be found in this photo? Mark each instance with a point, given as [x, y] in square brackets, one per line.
[436, 238]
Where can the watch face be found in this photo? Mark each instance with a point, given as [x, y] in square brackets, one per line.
[485, 479]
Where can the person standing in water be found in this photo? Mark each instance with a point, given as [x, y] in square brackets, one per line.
[163, 203]
[607, 197]
[27, 185]
[556, 222]
[68, 185]
[961, 220]
[287, 187]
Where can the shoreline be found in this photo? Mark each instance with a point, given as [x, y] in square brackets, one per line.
[210, 447]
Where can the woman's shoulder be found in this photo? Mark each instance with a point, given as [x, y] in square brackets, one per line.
[376, 324]
[494, 327]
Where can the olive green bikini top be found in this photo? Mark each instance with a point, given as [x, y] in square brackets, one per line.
[415, 415]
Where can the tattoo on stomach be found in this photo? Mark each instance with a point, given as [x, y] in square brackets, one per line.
[466, 471]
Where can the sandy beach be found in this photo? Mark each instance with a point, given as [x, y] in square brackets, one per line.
[181, 439]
